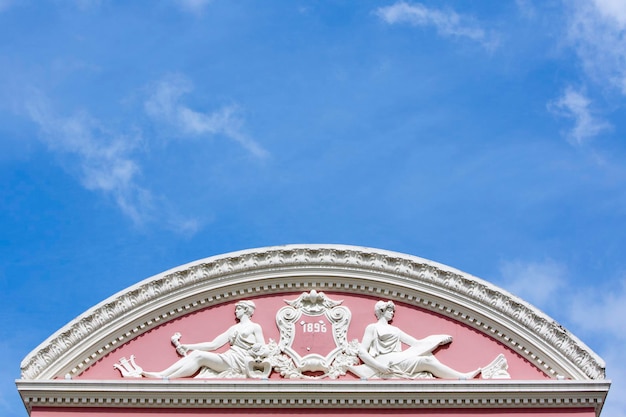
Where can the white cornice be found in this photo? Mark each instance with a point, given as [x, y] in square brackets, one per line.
[315, 394]
[340, 268]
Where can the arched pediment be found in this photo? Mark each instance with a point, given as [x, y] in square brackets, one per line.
[337, 269]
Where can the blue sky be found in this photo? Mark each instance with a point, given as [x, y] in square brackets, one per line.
[138, 136]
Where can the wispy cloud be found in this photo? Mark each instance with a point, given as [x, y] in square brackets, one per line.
[88, 4]
[103, 158]
[575, 105]
[196, 7]
[164, 105]
[526, 7]
[108, 160]
[596, 312]
[612, 10]
[597, 30]
[5, 4]
[105, 161]
[615, 406]
[447, 22]
[536, 282]
[601, 310]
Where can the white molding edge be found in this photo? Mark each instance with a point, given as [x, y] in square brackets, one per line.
[314, 394]
[339, 268]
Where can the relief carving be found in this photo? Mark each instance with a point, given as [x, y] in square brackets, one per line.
[313, 345]
[246, 358]
[60, 355]
[313, 338]
[383, 357]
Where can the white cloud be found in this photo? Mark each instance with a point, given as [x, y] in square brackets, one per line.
[597, 30]
[526, 7]
[615, 406]
[597, 312]
[103, 158]
[447, 22]
[5, 4]
[193, 6]
[601, 310]
[536, 282]
[575, 105]
[107, 162]
[164, 105]
[612, 9]
[88, 4]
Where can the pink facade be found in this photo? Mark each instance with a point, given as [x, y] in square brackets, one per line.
[529, 365]
[469, 349]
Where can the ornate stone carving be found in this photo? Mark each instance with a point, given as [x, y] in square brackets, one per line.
[128, 368]
[422, 396]
[498, 369]
[321, 326]
[246, 358]
[313, 344]
[383, 357]
[411, 279]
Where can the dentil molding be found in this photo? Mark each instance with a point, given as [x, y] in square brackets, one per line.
[315, 394]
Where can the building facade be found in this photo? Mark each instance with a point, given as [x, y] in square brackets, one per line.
[313, 329]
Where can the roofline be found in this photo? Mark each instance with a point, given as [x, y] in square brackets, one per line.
[277, 394]
[342, 268]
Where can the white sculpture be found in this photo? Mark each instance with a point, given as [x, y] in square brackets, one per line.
[383, 357]
[245, 358]
[322, 324]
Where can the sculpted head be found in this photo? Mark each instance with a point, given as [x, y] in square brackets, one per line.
[247, 306]
[381, 306]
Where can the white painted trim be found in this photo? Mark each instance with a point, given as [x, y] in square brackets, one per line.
[315, 394]
[339, 268]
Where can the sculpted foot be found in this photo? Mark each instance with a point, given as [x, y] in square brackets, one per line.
[472, 374]
[152, 374]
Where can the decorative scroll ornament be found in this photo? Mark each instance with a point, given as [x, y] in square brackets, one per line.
[313, 338]
[498, 369]
[128, 368]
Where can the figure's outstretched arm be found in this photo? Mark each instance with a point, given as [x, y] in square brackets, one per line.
[442, 339]
[216, 343]
[407, 339]
[373, 363]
